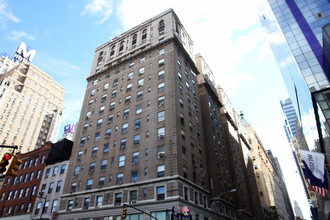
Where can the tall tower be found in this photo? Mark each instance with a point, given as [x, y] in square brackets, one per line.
[299, 35]
[299, 39]
[139, 140]
[291, 117]
[31, 103]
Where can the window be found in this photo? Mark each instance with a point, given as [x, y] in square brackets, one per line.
[112, 106]
[91, 167]
[181, 102]
[161, 62]
[124, 128]
[58, 186]
[160, 151]
[125, 113]
[135, 157]
[86, 203]
[101, 181]
[73, 187]
[106, 86]
[144, 36]
[82, 141]
[112, 52]
[139, 95]
[108, 133]
[89, 184]
[110, 119]
[90, 102]
[47, 172]
[161, 51]
[85, 127]
[141, 70]
[161, 133]
[140, 82]
[99, 200]
[137, 123]
[50, 188]
[161, 27]
[97, 136]
[136, 139]
[127, 100]
[161, 87]
[79, 155]
[120, 177]
[101, 110]
[161, 116]
[134, 39]
[161, 101]
[93, 91]
[106, 148]
[115, 82]
[38, 208]
[54, 206]
[38, 174]
[121, 161]
[160, 192]
[121, 47]
[134, 176]
[55, 170]
[138, 109]
[99, 122]
[160, 170]
[76, 170]
[123, 143]
[88, 115]
[118, 197]
[129, 87]
[104, 164]
[132, 196]
[161, 74]
[114, 93]
[32, 175]
[130, 76]
[43, 189]
[183, 134]
[70, 205]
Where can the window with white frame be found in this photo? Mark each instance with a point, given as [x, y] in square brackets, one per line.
[161, 116]
[121, 161]
[161, 133]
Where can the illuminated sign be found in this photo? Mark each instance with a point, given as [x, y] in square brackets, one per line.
[22, 54]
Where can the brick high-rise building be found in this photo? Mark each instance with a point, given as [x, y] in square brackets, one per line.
[139, 139]
[31, 104]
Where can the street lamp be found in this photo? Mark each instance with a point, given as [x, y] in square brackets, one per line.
[43, 206]
[217, 198]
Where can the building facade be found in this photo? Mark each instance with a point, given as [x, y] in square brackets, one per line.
[51, 185]
[19, 194]
[299, 36]
[31, 104]
[139, 139]
[271, 186]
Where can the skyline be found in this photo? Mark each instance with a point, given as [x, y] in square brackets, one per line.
[237, 52]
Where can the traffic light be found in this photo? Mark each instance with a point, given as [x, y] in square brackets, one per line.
[124, 213]
[4, 163]
[13, 167]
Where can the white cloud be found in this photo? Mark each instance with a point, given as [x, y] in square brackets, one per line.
[99, 8]
[6, 14]
[17, 35]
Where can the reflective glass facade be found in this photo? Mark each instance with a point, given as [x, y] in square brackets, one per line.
[295, 30]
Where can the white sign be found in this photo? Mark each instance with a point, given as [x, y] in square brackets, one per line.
[22, 54]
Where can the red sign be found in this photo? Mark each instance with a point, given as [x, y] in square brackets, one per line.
[185, 209]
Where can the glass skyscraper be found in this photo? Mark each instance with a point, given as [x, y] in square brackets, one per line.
[297, 33]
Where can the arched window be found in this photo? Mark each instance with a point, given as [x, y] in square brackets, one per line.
[100, 58]
[112, 53]
[144, 36]
[161, 27]
[121, 47]
[134, 39]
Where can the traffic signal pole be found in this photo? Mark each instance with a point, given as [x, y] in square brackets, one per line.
[126, 205]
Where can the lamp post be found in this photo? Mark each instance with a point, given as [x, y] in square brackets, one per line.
[43, 205]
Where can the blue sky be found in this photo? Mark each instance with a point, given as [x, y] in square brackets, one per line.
[65, 34]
